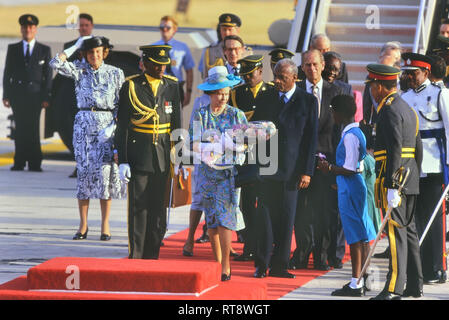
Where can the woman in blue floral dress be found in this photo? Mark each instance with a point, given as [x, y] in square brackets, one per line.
[97, 87]
[220, 198]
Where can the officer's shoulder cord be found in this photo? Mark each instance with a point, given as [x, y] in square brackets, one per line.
[142, 109]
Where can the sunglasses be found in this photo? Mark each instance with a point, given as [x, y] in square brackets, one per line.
[163, 26]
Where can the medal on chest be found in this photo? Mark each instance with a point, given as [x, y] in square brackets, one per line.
[168, 107]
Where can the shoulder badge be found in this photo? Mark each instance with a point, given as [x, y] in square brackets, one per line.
[270, 83]
[389, 101]
[132, 77]
[170, 77]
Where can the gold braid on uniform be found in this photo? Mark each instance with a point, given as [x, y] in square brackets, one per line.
[145, 112]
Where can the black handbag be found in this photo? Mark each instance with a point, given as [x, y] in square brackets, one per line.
[247, 175]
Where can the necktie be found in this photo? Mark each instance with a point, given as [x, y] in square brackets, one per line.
[282, 99]
[27, 55]
[315, 93]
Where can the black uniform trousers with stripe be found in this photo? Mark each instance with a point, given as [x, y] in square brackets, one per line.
[433, 246]
[147, 218]
[405, 263]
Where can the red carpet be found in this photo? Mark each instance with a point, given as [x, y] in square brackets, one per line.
[172, 277]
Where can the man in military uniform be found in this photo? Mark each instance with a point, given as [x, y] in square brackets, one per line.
[26, 89]
[228, 24]
[398, 145]
[257, 99]
[431, 103]
[149, 110]
[279, 54]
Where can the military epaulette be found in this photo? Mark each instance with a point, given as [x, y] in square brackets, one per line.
[132, 76]
[270, 83]
[438, 85]
[171, 77]
[389, 101]
[420, 88]
[238, 86]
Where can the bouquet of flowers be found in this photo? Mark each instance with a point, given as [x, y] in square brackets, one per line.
[255, 130]
[237, 140]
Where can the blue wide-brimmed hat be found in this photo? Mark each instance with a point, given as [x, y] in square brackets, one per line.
[219, 78]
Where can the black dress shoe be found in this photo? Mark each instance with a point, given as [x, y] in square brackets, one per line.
[281, 274]
[80, 236]
[385, 295]
[244, 257]
[16, 168]
[383, 255]
[187, 253]
[225, 277]
[73, 174]
[105, 237]
[260, 273]
[35, 169]
[293, 265]
[322, 267]
[438, 277]
[336, 264]
[204, 238]
[412, 293]
[347, 291]
[233, 254]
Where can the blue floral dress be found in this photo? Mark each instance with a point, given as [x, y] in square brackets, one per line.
[98, 176]
[219, 197]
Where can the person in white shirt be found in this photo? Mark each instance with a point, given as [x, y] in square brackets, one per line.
[357, 224]
[431, 104]
[180, 56]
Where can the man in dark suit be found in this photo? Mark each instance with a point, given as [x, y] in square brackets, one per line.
[295, 117]
[149, 110]
[256, 98]
[337, 245]
[26, 89]
[332, 69]
[312, 225]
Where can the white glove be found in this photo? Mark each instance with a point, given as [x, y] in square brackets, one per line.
[124, 172]
[393, 198]
[69, 51]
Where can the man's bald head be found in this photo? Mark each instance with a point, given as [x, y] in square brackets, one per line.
[320, 42]
[388, 60]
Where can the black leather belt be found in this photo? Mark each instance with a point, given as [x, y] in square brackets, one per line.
[95, 109]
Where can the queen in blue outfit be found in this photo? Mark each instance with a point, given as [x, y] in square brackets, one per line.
[216, 172]
[352, 193]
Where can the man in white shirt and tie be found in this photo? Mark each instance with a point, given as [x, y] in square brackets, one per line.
[313, 221]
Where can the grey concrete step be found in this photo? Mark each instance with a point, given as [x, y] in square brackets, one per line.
[362, 51]
[380, 2]
[358, 32]
[388, 14]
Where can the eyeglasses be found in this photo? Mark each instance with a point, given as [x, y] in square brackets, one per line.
[164, 26]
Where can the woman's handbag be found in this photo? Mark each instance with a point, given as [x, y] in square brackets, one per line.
[182, 188]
